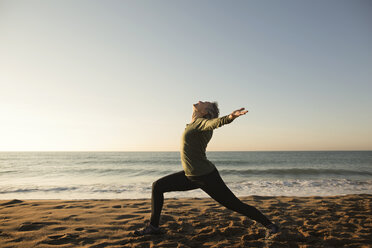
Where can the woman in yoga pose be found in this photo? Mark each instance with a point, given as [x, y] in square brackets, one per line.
[199, 172]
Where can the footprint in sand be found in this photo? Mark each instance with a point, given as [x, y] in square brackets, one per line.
[167, 218]
[59, 228]
[69, 217]
[59, 206]
[137, 204]
[125, 216]
[34, 226]
[142, 211]
[134, 226]
[232, 230]
[186, 227]
[18, 240]
[172, 206]
[177, 205]
[61, 239]
[88, 206]
[5, 235]
[56, 236]
[72, 206]
[211, 205]
[12, 202]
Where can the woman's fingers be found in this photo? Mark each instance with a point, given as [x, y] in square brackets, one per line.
[239, 112]
[242, 112]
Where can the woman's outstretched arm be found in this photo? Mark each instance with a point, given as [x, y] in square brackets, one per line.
[206, 124]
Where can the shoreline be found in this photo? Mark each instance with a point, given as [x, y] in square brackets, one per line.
[179, 198]
[309, 221]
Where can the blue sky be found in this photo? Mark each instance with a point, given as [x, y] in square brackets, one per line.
[123, 75]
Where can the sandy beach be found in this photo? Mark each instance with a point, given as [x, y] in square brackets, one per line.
[337, 221]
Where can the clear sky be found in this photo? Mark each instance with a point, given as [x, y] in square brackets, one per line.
[123, 75]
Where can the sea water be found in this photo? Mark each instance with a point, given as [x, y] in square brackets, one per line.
[129, 175]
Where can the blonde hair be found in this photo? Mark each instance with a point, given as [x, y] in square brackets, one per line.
[213, 111]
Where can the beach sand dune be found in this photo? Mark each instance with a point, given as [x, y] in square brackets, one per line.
[337, 221]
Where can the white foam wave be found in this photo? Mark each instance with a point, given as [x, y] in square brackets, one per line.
[321, 187]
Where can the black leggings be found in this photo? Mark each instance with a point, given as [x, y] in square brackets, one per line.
[211, 183]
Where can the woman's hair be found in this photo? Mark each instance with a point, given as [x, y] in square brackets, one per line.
[213, 111]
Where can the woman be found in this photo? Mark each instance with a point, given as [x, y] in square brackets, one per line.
[199, 172]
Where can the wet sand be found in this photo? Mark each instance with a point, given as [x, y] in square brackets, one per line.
[336, 221]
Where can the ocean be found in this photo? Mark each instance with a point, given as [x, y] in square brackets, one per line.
[129, 175]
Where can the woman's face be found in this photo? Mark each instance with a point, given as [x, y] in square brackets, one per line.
[201, 107]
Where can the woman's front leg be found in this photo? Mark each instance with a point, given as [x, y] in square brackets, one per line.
[173, 182]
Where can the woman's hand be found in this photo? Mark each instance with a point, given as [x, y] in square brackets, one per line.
[237, 113]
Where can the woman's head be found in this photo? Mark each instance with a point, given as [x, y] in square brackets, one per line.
[207, 110]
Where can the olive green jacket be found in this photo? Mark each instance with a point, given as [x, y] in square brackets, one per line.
[195, 139]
